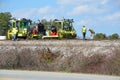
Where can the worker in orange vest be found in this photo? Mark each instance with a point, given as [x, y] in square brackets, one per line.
[53, 31]
[34, 31]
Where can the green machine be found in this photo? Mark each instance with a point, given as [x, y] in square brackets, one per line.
[22, 25]
[65, 29]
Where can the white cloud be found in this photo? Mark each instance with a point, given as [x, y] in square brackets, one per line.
[73, 2]
[85, 10]
[81, 22]
[113, 17]
[35, 13]
[82, 2]
[104, 2]
[46, 9]
[27, 13]
[49, 17]
[78, 10]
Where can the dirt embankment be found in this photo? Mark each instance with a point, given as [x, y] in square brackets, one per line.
[62, 55]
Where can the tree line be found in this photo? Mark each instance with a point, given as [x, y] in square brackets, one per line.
[5, 25]
[103, 36]
[4, 22]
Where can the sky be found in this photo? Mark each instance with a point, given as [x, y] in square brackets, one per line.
[103, 16]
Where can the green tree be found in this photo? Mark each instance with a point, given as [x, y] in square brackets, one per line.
[4, 22]
[114, 36]
[100, 36]
[44, 21]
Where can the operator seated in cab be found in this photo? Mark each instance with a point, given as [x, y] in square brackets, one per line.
[53, 31]
[35, 31]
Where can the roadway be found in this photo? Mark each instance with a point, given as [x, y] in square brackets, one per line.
[38, 75]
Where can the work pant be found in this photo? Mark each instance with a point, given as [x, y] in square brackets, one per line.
[15, 37]
[84, 36]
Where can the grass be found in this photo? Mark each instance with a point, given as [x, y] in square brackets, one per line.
[47, 60]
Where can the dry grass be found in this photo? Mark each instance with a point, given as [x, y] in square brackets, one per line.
[45, 59]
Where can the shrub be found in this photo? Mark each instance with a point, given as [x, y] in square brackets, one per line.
[27, 59]
[93, 63]
[45, 59]
[8, 60]
[112, 63]
[100, 36]
[114, 36]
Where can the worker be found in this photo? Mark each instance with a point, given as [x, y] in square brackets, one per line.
[15, 33]
[84, 32]
[53, 31]
[92, 33]
[41, 29]
[34, 31]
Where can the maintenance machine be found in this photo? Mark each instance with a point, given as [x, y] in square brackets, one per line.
[64, 29]
[22, 25]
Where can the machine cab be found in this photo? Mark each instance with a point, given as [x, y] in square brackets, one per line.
[65, 28]
[22, 25]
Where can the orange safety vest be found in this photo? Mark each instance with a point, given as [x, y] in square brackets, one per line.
[34, 31]
[53, 33]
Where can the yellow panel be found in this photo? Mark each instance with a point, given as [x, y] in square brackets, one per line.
[19, 34]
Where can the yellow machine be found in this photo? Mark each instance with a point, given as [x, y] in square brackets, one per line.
[22, 25]
[64, 29]
[58, 29]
